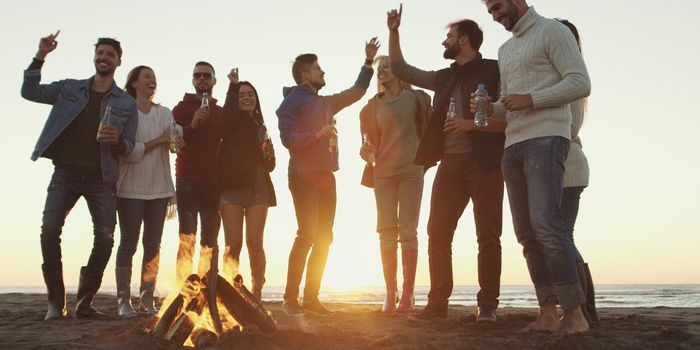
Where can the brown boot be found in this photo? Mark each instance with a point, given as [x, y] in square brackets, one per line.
[409, 261]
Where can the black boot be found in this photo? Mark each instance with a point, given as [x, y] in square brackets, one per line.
[87, 288]
[56, 293]
[583, 280]
[590, 296]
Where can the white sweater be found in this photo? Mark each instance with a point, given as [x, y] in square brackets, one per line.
[577, 171]
[147, 175]
[543, 60]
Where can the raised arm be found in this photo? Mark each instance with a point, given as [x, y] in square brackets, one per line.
[399, 67]
[32, 90]
[347, 97]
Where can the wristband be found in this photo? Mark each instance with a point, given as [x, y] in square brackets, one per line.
[368, 61]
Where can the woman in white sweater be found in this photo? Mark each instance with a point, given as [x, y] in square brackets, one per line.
[144, 190]
[575, 181]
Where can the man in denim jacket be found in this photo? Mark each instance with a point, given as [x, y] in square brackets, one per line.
[85, 165]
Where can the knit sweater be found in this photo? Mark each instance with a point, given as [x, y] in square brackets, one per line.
[543, 60]
[147, 175]
[576, 163]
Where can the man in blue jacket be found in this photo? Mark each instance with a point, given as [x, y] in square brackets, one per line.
[306, 123]
[85, 152]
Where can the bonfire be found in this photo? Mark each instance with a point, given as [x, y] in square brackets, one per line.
[208, 307]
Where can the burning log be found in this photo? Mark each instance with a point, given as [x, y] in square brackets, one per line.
[203, 338]
[188, 316]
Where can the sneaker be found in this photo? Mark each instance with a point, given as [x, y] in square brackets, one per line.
[485, 315]
[430, 312]
[315, 305]
[292, 307]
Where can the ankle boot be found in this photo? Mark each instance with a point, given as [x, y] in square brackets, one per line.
[149, 276]
[124, 308]
[409, 261]
[590, 296]
[56, 294]
[583, 281]
[87, 288]
[185, 253]
[389, 265]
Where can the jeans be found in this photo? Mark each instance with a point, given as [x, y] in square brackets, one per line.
[459, 178]
[314, 198]
[195, 197]
[133, 212]
[398, 208]
[65, 189]
[533, 171]
[569, 209]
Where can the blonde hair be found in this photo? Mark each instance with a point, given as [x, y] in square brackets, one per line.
[404, 84]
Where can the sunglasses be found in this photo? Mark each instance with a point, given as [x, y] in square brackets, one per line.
[205, 75]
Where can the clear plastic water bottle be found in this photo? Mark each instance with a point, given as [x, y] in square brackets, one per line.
[205, 100]
[333, 141]
[173, 136]
[452, 110]
[481, 97]
[371, 160]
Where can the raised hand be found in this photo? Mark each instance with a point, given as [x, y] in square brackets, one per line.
[47, 44]
[393, 18]
[233, 76]
[371, 48]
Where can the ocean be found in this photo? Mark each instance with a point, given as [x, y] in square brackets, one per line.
[607, 295]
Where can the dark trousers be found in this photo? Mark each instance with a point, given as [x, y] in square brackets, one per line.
[65, 189]
[459, 179]
[198, 198]
[133, 212]
[570, 199]
[314, 202]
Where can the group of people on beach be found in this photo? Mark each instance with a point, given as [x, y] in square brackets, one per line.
[112, 147]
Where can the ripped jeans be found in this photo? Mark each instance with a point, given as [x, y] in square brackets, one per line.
[65, 189]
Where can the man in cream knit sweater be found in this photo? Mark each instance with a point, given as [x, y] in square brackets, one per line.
[542, 72]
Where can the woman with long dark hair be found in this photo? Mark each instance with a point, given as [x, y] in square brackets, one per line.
[144, 191]
[575, 181]
[245, 162]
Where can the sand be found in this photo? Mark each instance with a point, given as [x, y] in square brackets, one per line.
[355, 326]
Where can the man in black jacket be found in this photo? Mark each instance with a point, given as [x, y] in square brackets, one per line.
[469, 163]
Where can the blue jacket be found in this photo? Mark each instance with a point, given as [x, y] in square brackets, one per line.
[303, 113]
[69, 97]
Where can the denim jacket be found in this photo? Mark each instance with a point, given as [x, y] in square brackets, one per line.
[69, 97]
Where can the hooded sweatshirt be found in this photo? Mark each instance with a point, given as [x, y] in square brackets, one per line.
[198, 159]
[303, 113]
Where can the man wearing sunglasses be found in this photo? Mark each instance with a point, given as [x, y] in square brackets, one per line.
[195, 170]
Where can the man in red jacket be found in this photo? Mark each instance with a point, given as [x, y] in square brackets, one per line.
[195, 169]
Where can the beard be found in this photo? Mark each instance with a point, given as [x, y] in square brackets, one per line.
[104, 72]
[512, 15]
[201, 89]
[451, 52]
[318, 84]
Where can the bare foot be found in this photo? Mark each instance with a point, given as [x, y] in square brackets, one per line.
[547, 320]
[573, 322]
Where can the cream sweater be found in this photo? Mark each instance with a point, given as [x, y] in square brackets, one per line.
[577, 171]
[147, 175]
[541, 59]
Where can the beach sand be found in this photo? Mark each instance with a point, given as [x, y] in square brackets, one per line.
[355, 326]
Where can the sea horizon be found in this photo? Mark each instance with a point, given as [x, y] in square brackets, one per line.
[516, 296]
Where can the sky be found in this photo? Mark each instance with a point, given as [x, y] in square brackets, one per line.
[638, 221]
